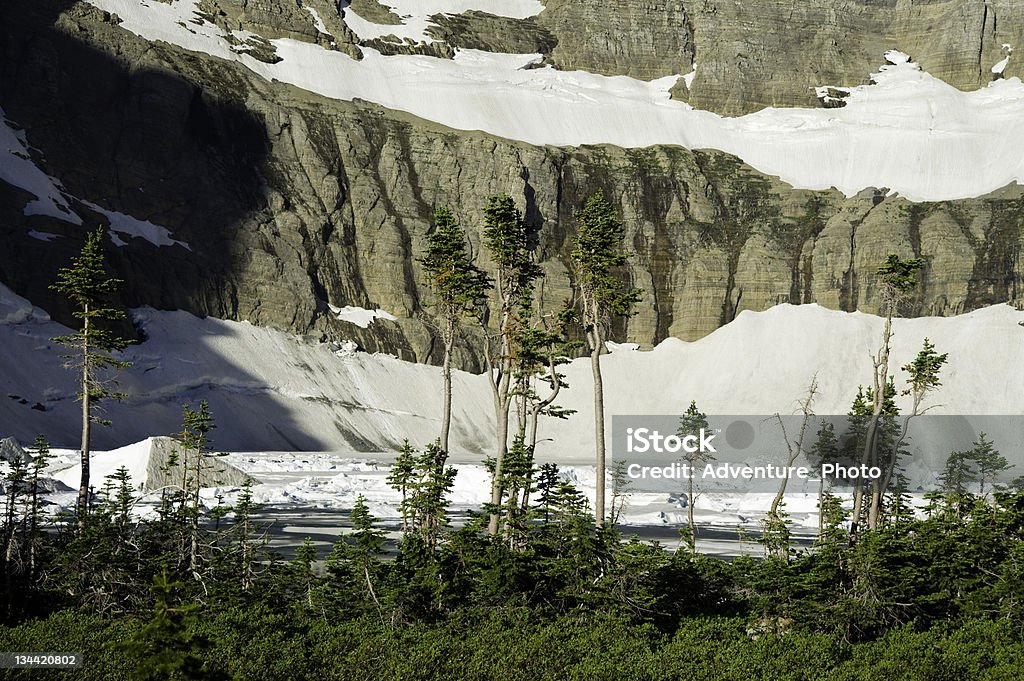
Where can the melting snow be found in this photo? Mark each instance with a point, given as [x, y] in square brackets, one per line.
[268, 390]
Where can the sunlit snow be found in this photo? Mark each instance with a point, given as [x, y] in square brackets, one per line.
[908, 132]
[359, 316]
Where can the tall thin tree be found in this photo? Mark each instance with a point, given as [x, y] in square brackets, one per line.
[897, 280]
[459, 288]
[88, 286]
[691, 422]
[508, 238]
[597, 254]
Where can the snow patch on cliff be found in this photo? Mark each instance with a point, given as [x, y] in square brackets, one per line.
[908, 131]
[18, 169]
[126, 225]
[360, 316]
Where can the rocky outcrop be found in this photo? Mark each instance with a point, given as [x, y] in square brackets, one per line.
[474, 30]
[646, 39]
[757, 53]
[168, 461]
[282, 19]
[292, 203]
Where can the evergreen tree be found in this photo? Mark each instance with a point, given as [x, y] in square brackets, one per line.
[195, 439]
[923, 378]
[459, 288]
[300, 579]
[354, 563]
[15, 488]
[824, 450]
[401, 478]
[546, 488]
[897, 280]
[958, 474]
[245, 542]
[35, 516]
[990, 463]
[88, 287]
[429, 503]
[167, 647]
[692, 422]
[597, 255]
[509, 239]
[924, 374]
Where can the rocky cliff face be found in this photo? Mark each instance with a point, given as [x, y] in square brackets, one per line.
[756, 53]
[753, 54]
[292, 203]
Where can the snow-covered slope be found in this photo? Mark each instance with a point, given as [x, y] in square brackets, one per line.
[908, 131]
[274, 391]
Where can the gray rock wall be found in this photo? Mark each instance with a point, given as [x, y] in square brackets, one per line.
[291, 202]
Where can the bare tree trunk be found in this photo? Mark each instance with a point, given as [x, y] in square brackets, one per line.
[83, 485]
[821, 501]
[795, 450]
[499, 380]
[689, 505]
[446, 372]
[599, 445]
[870, 454]
[556, 386]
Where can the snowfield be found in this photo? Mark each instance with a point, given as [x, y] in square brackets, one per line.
[274, 395]
[272, 391]
[908, 131]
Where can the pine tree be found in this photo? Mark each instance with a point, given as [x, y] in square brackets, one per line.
[824, 450]
[897, 280]
[459, 288]
[597, 254]
[990, 462]
[434, 481]
[354, 562]
[166, 647]
[401, 478]
[300, 577]
[923, 379]
[88, 287]
[509, 239]
[16, 488]
[692, 422]
[195, 439]
[245, 545]
[924, 374]
[35, 517]
[546, 489]
[957, 474]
